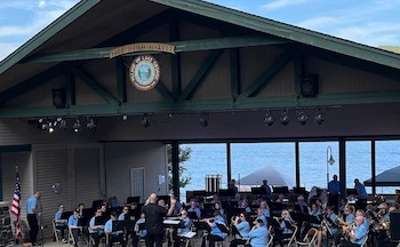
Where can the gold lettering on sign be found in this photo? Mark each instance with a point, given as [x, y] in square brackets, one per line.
[140, 47]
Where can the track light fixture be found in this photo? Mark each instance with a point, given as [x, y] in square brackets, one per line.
[319, 117]
[302, 117]
[268, 119]
[284, 117]
[203, 121]
[76, 126]
[146, 122]
[90, 124]
[124, 117]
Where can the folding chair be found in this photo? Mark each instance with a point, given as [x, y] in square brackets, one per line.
[56, 232]
[364, 242]
[310, 238]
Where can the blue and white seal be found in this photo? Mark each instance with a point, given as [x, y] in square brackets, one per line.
[144, 72]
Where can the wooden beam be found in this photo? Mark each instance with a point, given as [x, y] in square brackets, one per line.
[181, 46]
[165, 92]
[30, 84]
[121, 79]
[235, 72]
[71, 88]
[298, 74]
[258, 84]
[200, 75]
[176, 76]
[95, 85]
[195, 106]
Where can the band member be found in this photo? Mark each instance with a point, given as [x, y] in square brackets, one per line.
[216, 233]
[357, 235]
[284, 229]
[186, 225]
[125, 214]
[334, 191]
[244, 204]
[243, 227]
[232, 186]
[154, 215]
[96, 231]
[32, 211]
[261, 216]
[194, 207]
[114, 236]
[258, 236]
[220, 210]
[332, 222]
[81, 207]
[175, 208]
[61, 224]
[141, 232]
[265, 208]
[73, 225]
[267, 188]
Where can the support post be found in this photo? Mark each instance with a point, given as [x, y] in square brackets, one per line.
[297, 151]
[373, 167]
[342, 165]
[1, 180]
[235, 72]
[228, 163]
[175, 168]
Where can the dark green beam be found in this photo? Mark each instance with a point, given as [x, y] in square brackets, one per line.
[258, 84]
[204, 105]
[30, 84]
[235, 72]
[121, 79]
[176, 76]
[164, 91]
[200, 75]
[298, 74]
[95, 85]
[181, 46]
[71, 88]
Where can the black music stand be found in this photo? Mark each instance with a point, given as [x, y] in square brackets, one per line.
[192, 215]
[351, 192]
[118, 226]
[258, 191]
[66, 215]
[133, 199]
[280, 190]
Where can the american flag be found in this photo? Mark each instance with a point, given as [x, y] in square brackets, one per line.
[16, 206]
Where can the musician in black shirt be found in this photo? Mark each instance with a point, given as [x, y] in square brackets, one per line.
[154, 216]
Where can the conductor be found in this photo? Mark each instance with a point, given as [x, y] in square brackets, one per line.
[154, 216]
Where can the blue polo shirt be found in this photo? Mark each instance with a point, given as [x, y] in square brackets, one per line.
[360, 233]
[57, 216]
[334, 187]
[259, 237]
[244, 229]
[31, 205]
[73, 221]
[361, 192]
[108, 226]
[196, 210]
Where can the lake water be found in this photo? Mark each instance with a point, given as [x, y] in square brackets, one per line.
[210, 159]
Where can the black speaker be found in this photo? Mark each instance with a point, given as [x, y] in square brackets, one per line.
[59, 98]
[310, 86]
[395, 225]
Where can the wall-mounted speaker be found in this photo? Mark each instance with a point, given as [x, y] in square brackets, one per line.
[59, 98]
[310, 86]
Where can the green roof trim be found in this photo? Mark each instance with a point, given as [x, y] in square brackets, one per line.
[48, 32]
[224, 14]
[286, 31]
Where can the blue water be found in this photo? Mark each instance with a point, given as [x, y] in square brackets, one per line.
[210, 159]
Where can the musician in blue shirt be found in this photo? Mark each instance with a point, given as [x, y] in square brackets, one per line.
[261, 216]
[61, 224]
[113, 235]
[334, 192]
[195, 208]
[73, 225]
[216, 234]
[96, 229]
[32, 209]
[259, 234]
[124, 215]
[243, 228]
[358, 234]
[361, 192]
[186, 223]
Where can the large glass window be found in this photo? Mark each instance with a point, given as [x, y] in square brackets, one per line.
[313, 163]
[205, 159]
[358, 162]
[387, 157]
[252, 162]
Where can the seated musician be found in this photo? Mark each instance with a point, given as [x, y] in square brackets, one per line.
[357, 235]
[61, 224]
[361, 212]
[220, 210]
[348, 215]
[258, 236]
[113, 236]
[175, 208]
[383, 212]
[216, 234]
[315, 210]
[243, 228]
[280, 199]
[140, 231]
[73, 225]
[81, 207]
[125, 214]
[332, 222]
[260, 216]
[285, 228]
[244, 204]
[96, 229]
[194, 207]
[301, 206]
[186, 225]
[163, 204]
[265, 208]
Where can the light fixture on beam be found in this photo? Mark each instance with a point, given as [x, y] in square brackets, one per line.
[76, 126]
[319, 117]
[90, 123]
[269, 119]
[284, 117]
[146, 122]
[203, 121]
[302, 117]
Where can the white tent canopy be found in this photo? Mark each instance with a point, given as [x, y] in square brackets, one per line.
[269, 173]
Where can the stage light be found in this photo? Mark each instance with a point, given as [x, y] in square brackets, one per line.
[268, 119]
[302, 117]
[124, 117]
[63, 124]
[51, 130]
[90, 124]
[204, 121]
[76, 126]
[146, 121]
[170, 115]
[284, 117]
[319, 117]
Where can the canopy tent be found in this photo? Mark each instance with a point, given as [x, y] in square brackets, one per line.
[390, 177]
[269, 173]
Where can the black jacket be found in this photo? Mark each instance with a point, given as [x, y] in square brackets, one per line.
[154, 216]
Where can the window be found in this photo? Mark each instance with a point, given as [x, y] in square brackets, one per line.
[358, 162]
[274, 159]
[387, 157]
[313, 163]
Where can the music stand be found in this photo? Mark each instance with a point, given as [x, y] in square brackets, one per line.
[192, 215]
[258, 191]
[100, 221]
[280, 190]
[299, 190]
[66, 215]
[118, 226]
[133, 199]
[351, 191]
[222, 227]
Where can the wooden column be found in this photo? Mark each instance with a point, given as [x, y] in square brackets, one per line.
[342, 165]
[373, 167]
[297, 157]
[175, 168]
[228, 163]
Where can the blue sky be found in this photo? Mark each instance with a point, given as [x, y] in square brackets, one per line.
[372, 22]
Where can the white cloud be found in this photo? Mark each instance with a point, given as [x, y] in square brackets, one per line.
[277, 4]
[42, 4]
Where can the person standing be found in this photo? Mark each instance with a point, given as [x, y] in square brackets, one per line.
[32, 211]
[267, 188]
[334, 192]
[362, 195]
[154, 216]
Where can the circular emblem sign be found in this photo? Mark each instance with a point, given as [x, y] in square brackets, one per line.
[144, 72]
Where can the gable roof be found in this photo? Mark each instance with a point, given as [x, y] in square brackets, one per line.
[224, 14]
